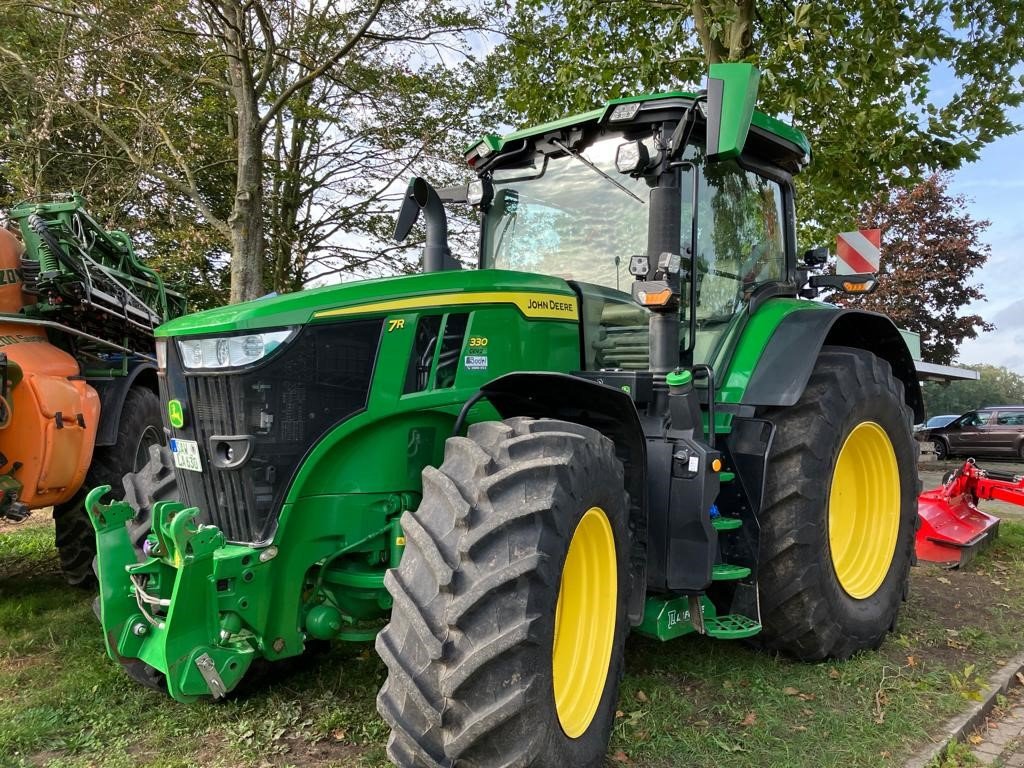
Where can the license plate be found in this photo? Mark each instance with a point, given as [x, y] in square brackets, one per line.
[186, 454]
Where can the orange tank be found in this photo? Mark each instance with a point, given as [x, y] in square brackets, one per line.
[50, 420]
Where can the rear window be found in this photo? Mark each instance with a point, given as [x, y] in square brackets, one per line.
[1011, 418]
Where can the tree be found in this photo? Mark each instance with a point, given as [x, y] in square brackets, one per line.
[855, 75]
[997, 386]
[930, 250]
[255, 117]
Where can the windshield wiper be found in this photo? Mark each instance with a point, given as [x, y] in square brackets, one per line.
[597, 170]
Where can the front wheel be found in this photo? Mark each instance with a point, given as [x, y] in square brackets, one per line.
[941, 450]
[840, 510]
[506, 639]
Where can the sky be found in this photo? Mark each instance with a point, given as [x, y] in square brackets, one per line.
[994, 186]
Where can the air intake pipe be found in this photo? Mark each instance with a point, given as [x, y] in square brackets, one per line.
[420, 196]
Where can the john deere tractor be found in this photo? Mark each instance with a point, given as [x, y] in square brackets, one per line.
[631, 417]
[78, 379]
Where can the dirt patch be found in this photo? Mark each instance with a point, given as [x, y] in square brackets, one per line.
[296, 751]
[40, 518]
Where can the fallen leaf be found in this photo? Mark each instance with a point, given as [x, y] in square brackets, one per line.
[619, 713]
[975, 738]
[911, 661]
[834, 673]
[339, 734]
[806, 696]
[750, 719]
[886, 754]
[806, 712]
[790, 691]
[1020, 678]
[620, 757]
[641, 697]
[944, 580]
[800, 728]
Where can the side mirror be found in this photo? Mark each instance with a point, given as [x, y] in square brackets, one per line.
[732, 93]
[816, 257]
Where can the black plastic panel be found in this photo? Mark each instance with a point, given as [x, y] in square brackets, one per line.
[285, 405]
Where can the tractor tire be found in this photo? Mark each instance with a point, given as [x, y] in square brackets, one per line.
[142, 489]
[516, 563]
[139, 428]
[839, 512]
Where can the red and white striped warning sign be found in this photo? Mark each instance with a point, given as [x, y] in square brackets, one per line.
[858, 252]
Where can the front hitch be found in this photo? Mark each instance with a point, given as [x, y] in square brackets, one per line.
[163, 607]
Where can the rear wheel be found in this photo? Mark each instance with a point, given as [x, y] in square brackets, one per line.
[506, 638]
[139, 429]
[839, 511]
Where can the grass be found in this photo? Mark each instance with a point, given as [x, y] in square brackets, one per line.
[691, 702]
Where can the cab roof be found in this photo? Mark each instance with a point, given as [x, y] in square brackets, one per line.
[768, 136]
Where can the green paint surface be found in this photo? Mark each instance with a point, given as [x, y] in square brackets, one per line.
[298, 308]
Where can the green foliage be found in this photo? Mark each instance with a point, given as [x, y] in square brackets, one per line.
[855, 75]
[997, 386]
[134, 105]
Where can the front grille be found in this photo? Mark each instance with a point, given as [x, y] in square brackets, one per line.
[285, 405]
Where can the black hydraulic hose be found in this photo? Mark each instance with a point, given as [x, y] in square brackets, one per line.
[460, 421]
[52, 244]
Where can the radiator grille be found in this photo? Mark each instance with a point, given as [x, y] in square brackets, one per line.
[285, 405]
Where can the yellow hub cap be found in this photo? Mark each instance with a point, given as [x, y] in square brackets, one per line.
[864, 510]
[584, 622]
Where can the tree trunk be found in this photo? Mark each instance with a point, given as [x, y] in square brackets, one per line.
[246, 220]
[735, 41]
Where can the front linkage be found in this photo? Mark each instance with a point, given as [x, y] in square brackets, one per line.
[196, 610]
[169, 614]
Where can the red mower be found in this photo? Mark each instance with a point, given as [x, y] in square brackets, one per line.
[953, 530]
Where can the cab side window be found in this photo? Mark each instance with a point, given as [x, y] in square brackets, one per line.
[740, 245]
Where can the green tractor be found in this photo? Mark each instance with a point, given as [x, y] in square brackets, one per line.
[630, 417]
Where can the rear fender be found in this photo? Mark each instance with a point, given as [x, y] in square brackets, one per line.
[788, 359]
[611, 412]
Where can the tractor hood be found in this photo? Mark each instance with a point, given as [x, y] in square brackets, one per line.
[535, 296]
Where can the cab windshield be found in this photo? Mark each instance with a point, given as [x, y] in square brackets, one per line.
[558, 217]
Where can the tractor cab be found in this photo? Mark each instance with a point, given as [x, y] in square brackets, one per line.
[629, 206]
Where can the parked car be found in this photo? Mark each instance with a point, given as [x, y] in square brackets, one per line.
[934, 422]
[997, 430]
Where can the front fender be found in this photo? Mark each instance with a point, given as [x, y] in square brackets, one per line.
[612, 413]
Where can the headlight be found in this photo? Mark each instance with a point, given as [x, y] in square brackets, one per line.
[161, 354]
[230, 351]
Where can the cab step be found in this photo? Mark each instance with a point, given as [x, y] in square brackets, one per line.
[730, 627]
[728, 572]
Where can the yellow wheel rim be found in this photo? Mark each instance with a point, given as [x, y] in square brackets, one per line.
[585, 622]
[864, 510]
